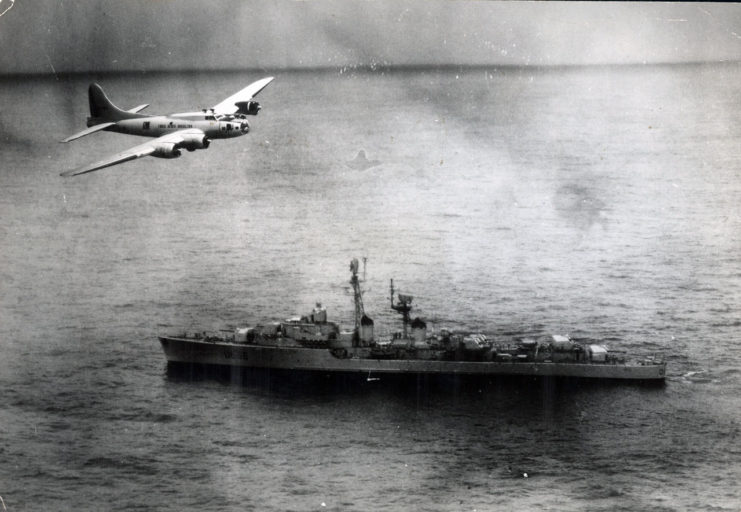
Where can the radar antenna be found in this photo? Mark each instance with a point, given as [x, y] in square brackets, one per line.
[404, 306]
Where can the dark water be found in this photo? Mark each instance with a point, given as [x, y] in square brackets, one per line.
[600, 202]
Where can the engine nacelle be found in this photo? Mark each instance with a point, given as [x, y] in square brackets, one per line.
[166, 150]
[249, 108]
[193, 142]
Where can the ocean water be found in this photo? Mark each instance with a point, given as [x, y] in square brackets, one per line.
[598, 202]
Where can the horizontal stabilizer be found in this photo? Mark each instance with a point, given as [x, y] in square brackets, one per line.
[138, 108]
[90, 130]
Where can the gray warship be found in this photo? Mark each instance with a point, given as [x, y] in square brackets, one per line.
[311, 343]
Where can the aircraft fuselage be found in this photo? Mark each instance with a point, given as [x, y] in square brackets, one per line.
[156, 126]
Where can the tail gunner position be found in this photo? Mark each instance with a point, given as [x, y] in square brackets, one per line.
[173, 132]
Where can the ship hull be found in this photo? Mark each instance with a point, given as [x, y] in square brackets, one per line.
[194, 351]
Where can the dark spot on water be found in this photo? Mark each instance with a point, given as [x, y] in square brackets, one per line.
[148, 416]
[227, 442]
[57, 426]
[135, 465]
[736, 323]
[579, 205]
[246, 457]
[14, 137]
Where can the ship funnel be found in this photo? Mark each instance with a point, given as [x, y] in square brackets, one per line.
[419, 330]
[366, 330]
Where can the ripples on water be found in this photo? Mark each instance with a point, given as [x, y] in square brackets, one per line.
[598, 202]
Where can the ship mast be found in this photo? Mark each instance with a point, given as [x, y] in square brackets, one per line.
[357, 296]
[404, 306]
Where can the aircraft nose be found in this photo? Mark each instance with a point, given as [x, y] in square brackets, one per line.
[245, 127]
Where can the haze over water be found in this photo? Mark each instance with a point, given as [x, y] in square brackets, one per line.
[602, 202]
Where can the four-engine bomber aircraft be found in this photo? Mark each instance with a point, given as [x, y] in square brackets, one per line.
[189, 130]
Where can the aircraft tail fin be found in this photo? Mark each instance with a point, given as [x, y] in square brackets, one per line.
[102, 110]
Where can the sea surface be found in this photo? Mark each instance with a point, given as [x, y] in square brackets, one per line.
[600, 202]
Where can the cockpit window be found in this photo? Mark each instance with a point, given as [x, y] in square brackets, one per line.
[210, 118]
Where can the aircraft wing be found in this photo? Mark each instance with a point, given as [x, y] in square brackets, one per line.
[92, 129]
[139, 151]
[229, 105]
